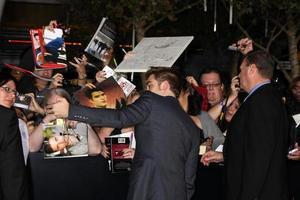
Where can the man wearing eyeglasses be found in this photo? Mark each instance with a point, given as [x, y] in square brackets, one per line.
[212, 80]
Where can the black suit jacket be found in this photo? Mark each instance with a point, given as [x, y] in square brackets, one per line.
[256, 148]
[13, 180]
[165, 162]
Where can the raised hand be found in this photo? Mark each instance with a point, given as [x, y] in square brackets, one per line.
[245, 45]
[34, 106]
[57, 81]
[235, 85]
[100, 76]
[80, 66]
[191, 80]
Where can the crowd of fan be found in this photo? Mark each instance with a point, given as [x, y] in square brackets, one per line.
[204, 98]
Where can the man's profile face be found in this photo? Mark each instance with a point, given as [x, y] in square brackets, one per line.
[214, 86]
[99, 99]
[153, 85]
[244, 77]
[296, 91]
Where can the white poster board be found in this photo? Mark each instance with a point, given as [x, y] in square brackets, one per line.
[155, 52]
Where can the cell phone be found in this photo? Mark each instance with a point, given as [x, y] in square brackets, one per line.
[23, 101]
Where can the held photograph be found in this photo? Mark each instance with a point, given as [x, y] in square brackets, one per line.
[65, 139]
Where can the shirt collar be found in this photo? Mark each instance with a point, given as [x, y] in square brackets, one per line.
[256, 87]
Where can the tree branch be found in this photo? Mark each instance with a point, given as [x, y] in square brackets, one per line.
[283, 27]
[244, 31]
[273, 37]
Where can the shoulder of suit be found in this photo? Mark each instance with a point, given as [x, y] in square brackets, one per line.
[150, 95]
[154, 95]
[268, 88]
[10, 115]
[266, 95]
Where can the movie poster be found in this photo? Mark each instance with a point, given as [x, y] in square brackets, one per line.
[107, 94]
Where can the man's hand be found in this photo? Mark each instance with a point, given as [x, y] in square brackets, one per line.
[212, 157]
[191, 80]
[60, 109]
[57, 81]
[245, 45]
[80, 66]
[100, 76]
[34, 106]
[235, 86]
[128, 153]
[296, 154]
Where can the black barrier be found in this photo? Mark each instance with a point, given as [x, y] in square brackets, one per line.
[75, 178]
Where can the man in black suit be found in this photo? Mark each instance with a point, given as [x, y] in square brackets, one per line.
[256, 143]
[165, 161]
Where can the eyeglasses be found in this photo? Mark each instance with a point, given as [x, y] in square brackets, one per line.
[10, 90]
[211, 85]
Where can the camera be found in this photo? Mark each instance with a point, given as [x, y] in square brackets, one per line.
[23, 101]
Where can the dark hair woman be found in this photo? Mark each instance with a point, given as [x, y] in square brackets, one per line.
[12, 169]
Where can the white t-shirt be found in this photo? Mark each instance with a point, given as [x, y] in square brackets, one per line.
[25, 139]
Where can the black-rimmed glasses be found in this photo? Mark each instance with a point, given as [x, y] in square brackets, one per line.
[211, 85]
[10, 90]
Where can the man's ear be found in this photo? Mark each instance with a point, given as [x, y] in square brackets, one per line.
[222, 86]
[164, 85]
[252, 69]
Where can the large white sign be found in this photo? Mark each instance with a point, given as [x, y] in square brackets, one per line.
[154, 52]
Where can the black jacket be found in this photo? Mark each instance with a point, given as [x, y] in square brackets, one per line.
[13, 180]
[255, 150]
[165, 162]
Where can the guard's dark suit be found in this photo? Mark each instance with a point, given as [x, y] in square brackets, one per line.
[13, 180]
[256, 148]
[165, 162]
